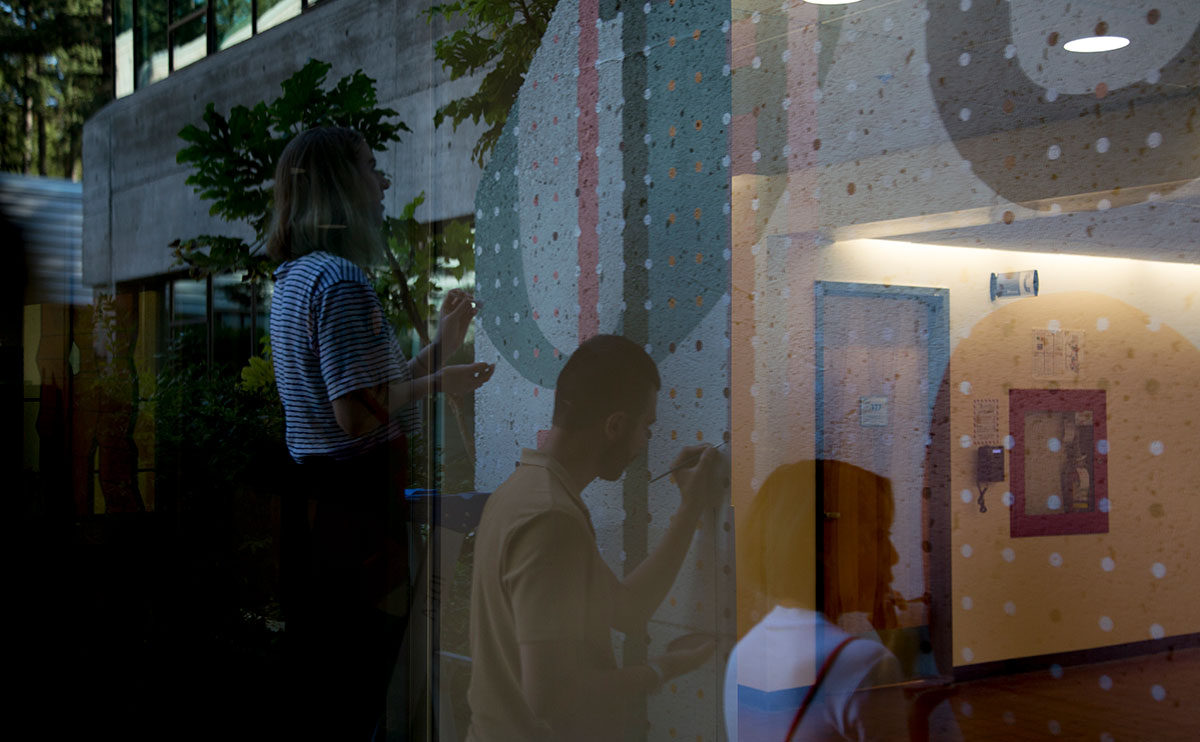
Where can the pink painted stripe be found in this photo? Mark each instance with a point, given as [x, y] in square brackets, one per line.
[589, 168]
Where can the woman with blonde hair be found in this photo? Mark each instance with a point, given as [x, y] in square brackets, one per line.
[796, 675]
[349, 397]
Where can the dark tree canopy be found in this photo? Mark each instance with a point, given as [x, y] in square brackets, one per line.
[55, 71]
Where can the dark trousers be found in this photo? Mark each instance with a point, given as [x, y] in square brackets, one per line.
[343, 646]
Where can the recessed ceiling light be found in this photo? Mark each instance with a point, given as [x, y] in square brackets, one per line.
[1091, 44]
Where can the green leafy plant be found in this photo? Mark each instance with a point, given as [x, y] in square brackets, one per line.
[500, 36]
[233, 159]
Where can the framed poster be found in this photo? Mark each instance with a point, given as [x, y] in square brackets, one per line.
[1058, 462]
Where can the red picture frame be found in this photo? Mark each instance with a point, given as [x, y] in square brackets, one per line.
[1060, 447]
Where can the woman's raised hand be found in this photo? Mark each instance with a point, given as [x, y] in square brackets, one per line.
[464, 378]
[454, 319]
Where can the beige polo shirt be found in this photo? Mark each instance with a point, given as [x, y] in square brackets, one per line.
[538, 576]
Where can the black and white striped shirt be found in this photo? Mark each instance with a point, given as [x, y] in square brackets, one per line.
[329, 337]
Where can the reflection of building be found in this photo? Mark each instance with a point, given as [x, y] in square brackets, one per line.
[798, 208]
[696, 174]
[236, 52]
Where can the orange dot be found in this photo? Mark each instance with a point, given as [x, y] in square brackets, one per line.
[671, 305]
[699, 435]
[699, 301]
[1052, 39]
[1101, 89]
[699, 77]
[699, 256]
[699, 393]
[1010, 162]
[671, 261]
[1008, 105]
[850, 188]
[1009, 217]
[535, 391]
[696, 214]
[672, 393]
[696, 35]
[671, 41]
[671, 172]
[671, 85]
[699, 166]
[674, 435]
[699, 124]
[671, 218]
[671, 131]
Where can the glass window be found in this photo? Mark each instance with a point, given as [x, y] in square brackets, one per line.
[189, 32]
[150, 42]
[239, 319]
[188, 323]
[233, 22]
[273, 12]
[123, 57]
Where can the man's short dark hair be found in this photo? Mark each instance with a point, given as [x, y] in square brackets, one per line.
[606, 374]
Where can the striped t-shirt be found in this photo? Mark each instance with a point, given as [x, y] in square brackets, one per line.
[329, 337]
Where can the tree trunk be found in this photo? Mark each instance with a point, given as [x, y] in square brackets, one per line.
[41, 134]
[27, 103]
[27, 142]
[107, 43]
[72, 156]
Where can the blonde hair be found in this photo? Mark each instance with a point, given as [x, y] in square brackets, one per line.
[776, 541]
[321, 199]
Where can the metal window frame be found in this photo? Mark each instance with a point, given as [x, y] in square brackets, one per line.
[208, 11]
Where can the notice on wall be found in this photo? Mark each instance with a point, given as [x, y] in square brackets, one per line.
[987, 422]
[1057, 354]
[873, 412]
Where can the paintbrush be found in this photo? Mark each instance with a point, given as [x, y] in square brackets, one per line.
[686, 465]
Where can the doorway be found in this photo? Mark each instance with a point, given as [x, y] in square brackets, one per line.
[882, 429]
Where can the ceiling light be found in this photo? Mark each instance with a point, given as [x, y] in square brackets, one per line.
[1092, 44]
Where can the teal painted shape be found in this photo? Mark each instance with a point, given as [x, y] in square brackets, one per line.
[697, 286]
[507, 313]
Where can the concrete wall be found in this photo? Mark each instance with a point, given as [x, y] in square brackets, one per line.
[135, 199]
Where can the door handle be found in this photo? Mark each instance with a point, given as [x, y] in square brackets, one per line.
[833, 516]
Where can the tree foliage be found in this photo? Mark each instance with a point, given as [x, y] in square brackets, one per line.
[55, 71]
[233, 160]
[500, 36]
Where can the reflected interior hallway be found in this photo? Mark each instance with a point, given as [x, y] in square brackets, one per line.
[1144, 698]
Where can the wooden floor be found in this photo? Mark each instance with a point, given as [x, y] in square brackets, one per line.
[1147, 699]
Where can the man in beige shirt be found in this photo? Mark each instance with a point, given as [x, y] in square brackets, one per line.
[542, 598]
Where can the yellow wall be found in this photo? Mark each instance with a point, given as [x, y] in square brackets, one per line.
[1010, 599]
[1147, 359]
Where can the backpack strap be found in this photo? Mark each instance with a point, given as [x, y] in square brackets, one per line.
[812, 689]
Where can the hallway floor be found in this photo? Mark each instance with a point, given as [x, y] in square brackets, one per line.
[1147, 699]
